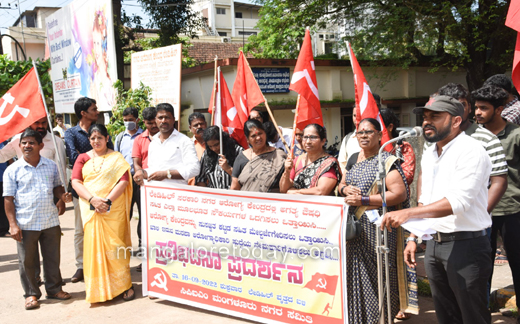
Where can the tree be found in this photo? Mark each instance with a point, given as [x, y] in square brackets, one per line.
[467, 34]
[171, 17]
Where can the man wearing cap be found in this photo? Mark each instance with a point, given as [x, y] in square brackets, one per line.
[455, 174]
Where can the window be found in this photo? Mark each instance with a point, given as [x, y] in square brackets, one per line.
[221, 11]
[320, 36]
[331, 36]
[222, 33]
[246, 33]
[238, 15]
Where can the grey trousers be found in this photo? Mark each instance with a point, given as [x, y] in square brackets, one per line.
[458, 272]
[78, 234]
[50, 242]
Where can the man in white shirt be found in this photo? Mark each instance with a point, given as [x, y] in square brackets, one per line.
[455, 174]
[171, 155]
[349, 145]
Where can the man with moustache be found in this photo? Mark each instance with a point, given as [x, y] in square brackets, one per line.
[455, 174]
[171, 155]
[489, 104]
[29, 187]
[77, 142]
[198, 124]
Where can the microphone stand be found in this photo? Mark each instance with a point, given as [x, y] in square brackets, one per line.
[382, 249]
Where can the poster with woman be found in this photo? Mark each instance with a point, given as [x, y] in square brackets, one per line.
[83, 56]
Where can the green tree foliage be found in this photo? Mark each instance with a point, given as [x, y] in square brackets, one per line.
[12, 71]
[466, 34]
[172, 18]
[139, 98]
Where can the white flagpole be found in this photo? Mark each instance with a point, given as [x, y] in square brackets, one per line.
[62, 176]
[219, 105]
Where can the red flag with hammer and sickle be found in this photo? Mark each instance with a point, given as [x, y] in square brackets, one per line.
[323, 283]
[21, 106]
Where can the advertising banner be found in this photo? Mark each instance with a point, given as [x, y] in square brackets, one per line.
[272, 258]
[272, 80]
[83, 55]
[160, 69]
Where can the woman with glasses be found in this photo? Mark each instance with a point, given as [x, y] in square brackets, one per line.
[315, 172]
[361, 194]
[258, 168]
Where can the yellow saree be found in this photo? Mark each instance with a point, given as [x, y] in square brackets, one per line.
[106, 261]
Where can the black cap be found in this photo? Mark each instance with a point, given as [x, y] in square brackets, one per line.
[442, 103]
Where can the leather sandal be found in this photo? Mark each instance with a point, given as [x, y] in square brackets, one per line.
[31, 302]
[129, 294]
[61, 295]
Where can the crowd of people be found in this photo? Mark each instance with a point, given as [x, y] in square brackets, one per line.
[469, 182]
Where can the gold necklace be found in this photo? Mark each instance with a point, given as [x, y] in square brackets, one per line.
[103, 162]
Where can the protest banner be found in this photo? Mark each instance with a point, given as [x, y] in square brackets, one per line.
[267, 257]
[160, 69]
[83, 55]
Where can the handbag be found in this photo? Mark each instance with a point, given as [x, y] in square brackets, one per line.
[353, 227]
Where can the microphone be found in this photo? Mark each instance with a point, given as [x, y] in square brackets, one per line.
[415, 132]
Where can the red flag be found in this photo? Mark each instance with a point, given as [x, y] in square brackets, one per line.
[21, 106]
[226, 114]
[366, 106]
[246, 92]
[513, 21]
[323, 283]
[304, 82]
[304, 77]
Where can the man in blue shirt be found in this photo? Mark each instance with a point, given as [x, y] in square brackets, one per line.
[124, 145]
[77, 142]
[29, 187]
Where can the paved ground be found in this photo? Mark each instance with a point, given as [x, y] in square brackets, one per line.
[139, 310]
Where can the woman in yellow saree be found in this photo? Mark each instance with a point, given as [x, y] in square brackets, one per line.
[101, 179]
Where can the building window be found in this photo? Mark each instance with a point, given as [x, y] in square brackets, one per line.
[221, 11]
[320, 36]
[331, 37]
[222, 33]
[238, 15]
[247, 33]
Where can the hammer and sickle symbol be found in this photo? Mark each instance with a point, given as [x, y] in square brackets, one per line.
[323, 283]
[160, 281]
[10, 99]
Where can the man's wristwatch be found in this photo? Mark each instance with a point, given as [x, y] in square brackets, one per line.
[410, 239]
[169, 175]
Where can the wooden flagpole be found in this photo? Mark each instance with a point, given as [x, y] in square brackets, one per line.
[60, 170]
[291, 154]
[269, 111]
[219, 103]
[214, 92]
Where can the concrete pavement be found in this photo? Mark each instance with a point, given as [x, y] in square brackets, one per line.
[77, 310]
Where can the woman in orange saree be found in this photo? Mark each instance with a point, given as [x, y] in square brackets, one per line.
[101, 179]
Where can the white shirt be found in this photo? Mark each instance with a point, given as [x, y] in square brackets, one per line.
[177, 152]
[348, 147]
[12, 149]
[460, 174]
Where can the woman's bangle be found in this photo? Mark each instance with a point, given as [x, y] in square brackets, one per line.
[365, 200]
[342, 191]
[90, 199]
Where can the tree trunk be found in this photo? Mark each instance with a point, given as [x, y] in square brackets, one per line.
[116, 5]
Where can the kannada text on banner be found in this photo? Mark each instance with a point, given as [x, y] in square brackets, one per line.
[266, 257]
[160, 69]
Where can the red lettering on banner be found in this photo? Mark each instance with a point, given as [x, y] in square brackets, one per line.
[263, 269]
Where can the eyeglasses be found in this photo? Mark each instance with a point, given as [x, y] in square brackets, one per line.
[367, 132]
[310, 137]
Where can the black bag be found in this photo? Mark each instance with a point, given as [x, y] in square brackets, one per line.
[353, 228]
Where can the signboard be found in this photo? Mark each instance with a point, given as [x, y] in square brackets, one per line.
[160, 69]
[83, 55]
[272, 80]
[266, 257]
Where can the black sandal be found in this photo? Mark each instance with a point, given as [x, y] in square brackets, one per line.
[127, 296]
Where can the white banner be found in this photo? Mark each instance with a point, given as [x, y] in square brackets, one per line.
[271, 258]
[82, 53]
[160, 69]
